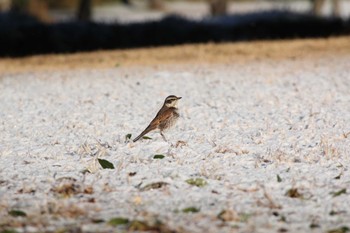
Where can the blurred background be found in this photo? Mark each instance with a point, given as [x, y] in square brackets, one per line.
[141, 10]
[50, 26]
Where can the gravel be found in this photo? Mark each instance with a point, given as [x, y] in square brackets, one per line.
[270, 139]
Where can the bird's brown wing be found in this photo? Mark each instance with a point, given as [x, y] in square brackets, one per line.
[162, 115]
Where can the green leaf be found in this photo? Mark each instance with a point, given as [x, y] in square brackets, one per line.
[340, 192]
[158, 156]
[118, 221]
[106, 164]
[190, 210]
[17, 213]
[145, 137]
[279, 179]
[199, 182]
[343, 229]
[9, 231]
[128, 136]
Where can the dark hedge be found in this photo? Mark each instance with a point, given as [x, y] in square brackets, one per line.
[22, 35]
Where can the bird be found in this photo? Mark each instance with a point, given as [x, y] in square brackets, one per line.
[165, 118]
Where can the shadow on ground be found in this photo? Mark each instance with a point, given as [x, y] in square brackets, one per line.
[22, 35]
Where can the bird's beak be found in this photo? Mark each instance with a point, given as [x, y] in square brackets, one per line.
[179, 98]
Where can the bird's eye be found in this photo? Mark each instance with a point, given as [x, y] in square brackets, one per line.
[168, 101]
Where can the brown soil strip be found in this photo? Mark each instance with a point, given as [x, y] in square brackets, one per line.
[225, 53]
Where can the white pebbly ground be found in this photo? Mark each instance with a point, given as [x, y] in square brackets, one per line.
[241, 127]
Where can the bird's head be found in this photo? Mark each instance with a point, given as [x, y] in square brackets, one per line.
[171, 101]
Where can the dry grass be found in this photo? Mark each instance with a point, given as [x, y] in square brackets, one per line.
[226, 53]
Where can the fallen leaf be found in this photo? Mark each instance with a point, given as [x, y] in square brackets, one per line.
[314, 225]
[340, 192]
[294, 193]
[155, 185]
[17, 213]
[279, 179]
[105, 164]
[190, 210]
[199, 182]
[137, 200]
[228, 215]
[9, 231]
[128, 136]
[158, 156]
[338, 176]
[118, 221]
[158, 226]
[97, 220]
[343, 229]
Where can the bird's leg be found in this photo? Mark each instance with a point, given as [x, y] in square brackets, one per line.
[171, 144]
[161, 133]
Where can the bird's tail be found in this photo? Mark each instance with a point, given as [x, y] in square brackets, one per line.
[147, 130]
